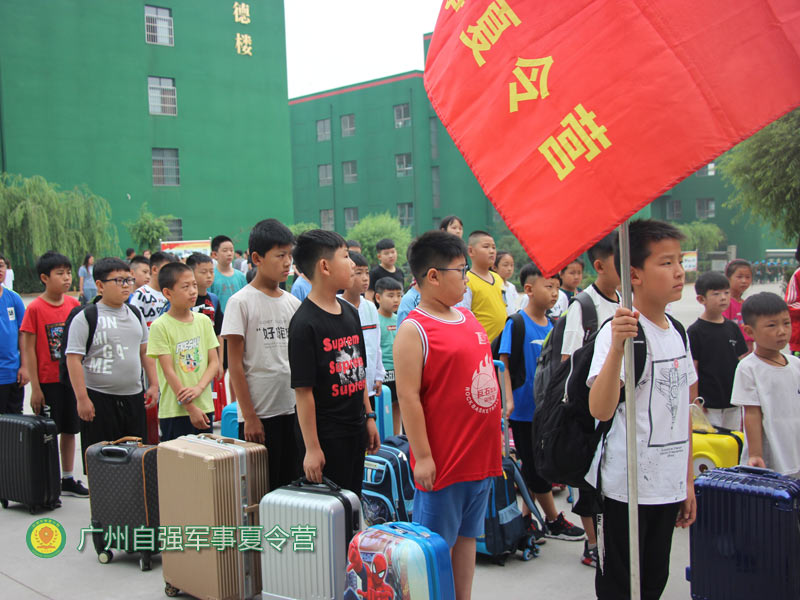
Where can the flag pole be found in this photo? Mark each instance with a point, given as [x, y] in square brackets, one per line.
[630, 418]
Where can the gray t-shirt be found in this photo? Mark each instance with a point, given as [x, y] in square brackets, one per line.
[113, 364]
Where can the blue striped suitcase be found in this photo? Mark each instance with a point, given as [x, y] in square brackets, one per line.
[746, 540]
[399, 560]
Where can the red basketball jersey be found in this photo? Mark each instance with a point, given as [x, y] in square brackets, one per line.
[460, 398]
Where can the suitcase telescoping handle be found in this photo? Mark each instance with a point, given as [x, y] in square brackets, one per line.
[501, 368]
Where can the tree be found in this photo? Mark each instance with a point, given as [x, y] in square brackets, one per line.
[302, 227]
[38, 217]
[701, 236]
[765, 170]
[148, 230]
[373, 228]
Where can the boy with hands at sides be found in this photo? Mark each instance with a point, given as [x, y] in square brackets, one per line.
[328, 368]
[663, 428]
[449, 398]
[484, 295]
[185, 346]
[256, 328]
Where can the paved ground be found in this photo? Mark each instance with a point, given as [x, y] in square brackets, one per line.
[556, 573]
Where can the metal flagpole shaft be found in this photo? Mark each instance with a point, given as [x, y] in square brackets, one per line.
[630, 418]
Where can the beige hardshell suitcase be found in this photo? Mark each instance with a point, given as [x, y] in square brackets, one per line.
[210, 482]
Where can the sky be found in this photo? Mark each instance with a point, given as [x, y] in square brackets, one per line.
[332, 43]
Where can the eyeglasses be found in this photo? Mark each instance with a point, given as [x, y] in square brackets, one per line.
[120, 281]
[463, 270]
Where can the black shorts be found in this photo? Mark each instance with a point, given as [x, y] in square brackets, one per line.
[12, 396]
[524, 445]
[115, 417]
[279, 439]
[589, 503]
[63, 407]
[175, 427]
[225, 355]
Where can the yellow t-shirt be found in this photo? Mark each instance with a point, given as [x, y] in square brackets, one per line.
[188, 345]
[487, 303]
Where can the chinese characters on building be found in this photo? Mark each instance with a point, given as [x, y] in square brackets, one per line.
[244, 42]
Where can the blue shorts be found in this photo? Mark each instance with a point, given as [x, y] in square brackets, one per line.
[456, 510]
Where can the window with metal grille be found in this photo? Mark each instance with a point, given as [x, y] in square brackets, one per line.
[158, 26]
[162, 95]
[348, 125]
[326, 219]
[405, 213]
[175, 230]
[325, 175]
[434, 127]
[708, 171]
[402, 115]
[435, 192]
[166, 168]
[350, 217]
[323, 130]
[674, 209]
[706, 208]
[350, 171]
[403, 164]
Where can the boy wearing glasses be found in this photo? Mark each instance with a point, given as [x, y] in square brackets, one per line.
[449, 399]
[105, 370]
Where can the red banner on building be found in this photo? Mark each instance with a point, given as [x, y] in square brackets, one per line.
[575, 114]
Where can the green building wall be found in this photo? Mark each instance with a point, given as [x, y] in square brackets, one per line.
[74, 108]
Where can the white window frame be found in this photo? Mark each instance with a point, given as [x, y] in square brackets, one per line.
[327, 219]
[710, 170]
[402, 115]
[325, 175]
[405, 214]
[158, 26]
[162, 96]
[403, 164]
[166, 167]
[348, 123]
[350, 171]
[350, 217]
[323, 130]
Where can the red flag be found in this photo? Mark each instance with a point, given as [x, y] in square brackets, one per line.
[574, 114]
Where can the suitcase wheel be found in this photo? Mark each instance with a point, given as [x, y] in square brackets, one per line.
[170, 590]
[527, 554]
[144, 562]
[4, 503]
[105, 557]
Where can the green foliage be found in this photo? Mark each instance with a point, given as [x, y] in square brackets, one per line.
[148, 230]
[373, 228]
[38, 216]
[765, 170]
[701, 236]
[302, 227]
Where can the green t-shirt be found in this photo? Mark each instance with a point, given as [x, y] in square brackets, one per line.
[188, 345]
[388, 331]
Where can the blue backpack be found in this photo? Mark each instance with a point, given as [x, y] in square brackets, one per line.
[387, 492]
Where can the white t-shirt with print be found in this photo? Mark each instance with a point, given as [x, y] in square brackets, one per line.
[662, 420]
[573, 329]
[371, 329]
[777, 391]
[263, 322]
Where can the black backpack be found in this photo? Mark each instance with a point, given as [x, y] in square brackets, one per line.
[90, 312]
[550, 358]
[516, 360]
[564, 435]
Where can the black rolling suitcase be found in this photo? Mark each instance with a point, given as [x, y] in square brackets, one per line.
[29, 467]
[123, 497]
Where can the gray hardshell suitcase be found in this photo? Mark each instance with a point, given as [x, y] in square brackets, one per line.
[290, 569]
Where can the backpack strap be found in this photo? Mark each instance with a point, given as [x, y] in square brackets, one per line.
[679, 326]
[90, 313]
[588, 314]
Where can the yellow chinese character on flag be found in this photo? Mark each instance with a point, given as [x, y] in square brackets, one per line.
[497, 18]
[244, 44]
[574, 141]
[241, 12]
[454, 4]
[527, 81]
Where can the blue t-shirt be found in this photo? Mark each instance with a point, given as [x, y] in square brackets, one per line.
[408, 303]
[535, 335]
[12, 309]
[89, 286]
[225, 287]
[300, 288]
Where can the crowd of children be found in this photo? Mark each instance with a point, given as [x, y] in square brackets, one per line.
[305, 367]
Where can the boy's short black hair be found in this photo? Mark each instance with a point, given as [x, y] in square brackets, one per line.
[445, 223]
[478, 233]
[129, 251]
[51, 260]
[239, 252]
[763, 304]
[731, 267]
[575, 261]
[216, 241]
[711, 281]
[159, 258]
[105, 266]
[139, 260]
[387, 284]
[603, 248]
[170, 273]
[314, 245]
[198, 258]
[434, 249]
[642, 232]
[353, 244]
[528, 271]
[267, 234]
[358, 259]
[384, 244]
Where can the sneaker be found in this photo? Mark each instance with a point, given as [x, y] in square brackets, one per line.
[561, 529]
[532, 528]
[589, 557]
[73, 487]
